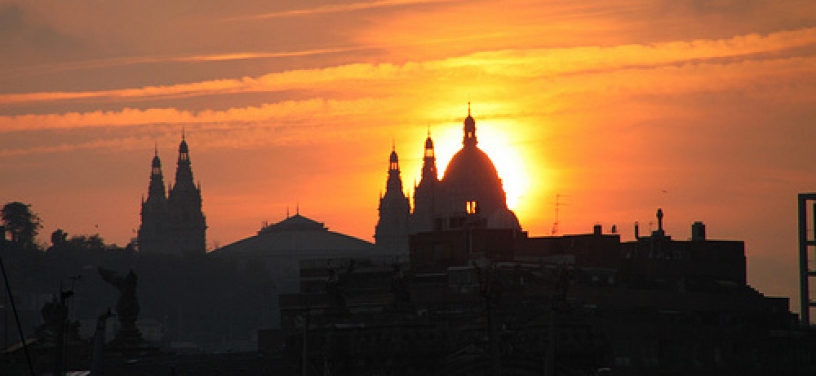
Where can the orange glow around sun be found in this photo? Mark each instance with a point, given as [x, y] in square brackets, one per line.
[502, 148]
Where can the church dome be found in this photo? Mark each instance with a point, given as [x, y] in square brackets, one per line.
[471, 176]
[471, 165]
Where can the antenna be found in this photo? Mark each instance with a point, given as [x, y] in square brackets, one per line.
[558, 204]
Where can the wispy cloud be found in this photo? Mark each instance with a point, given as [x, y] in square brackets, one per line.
[538, 63]
[340, 8]
[119, 62]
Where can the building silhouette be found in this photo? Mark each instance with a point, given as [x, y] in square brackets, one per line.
[282, 247]
[470, 191]
[391, 231]
[492, 301]
[172, 220]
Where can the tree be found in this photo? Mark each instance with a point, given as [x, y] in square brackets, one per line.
[21, 223]
[59, 238]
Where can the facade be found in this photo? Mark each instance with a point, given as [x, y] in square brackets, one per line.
[482, 301]
[469, 190]
[173, 222]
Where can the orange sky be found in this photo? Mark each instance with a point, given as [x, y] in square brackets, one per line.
[703, 108]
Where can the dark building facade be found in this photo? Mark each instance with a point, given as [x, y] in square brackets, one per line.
[173, 222]
[482, 301]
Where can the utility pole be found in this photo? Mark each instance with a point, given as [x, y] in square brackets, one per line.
[488, 286]
[98, 357]
[557, 298]
[59, 355]
[305, 349]
[14, 309]
[549, 356]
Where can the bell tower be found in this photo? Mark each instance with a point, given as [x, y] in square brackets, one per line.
[188, 225]
[391, 233]
[422, 220]
[153, 231]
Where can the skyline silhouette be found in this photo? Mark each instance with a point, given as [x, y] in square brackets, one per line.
[703, 109]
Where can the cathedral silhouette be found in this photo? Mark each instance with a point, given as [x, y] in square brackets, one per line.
[173, 223]
[469, 194]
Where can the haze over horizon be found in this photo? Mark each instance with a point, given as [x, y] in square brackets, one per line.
[702, 108]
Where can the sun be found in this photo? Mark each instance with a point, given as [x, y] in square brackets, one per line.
[509, 164]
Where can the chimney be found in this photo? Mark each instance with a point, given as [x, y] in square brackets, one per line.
[698, 232]
[597, 229]
[637, 231]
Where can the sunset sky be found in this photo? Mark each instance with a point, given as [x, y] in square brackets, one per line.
[706, 109]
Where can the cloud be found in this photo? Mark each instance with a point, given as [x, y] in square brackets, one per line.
[340, 8]
[22, 39]
[536, 63]
[120, 62]
[312, 121]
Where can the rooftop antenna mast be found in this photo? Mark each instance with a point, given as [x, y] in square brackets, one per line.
[558, 204]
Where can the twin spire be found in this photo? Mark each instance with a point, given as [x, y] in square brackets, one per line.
[429, 172]
[172, 220]
[183, 172]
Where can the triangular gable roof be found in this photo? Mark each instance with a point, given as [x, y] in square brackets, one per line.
[295, 223]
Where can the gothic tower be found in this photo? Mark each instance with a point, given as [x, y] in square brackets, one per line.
[391, 233]
[187, 223]
[153, 232]
[422, 219]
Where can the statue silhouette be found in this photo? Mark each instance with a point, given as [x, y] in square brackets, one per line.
[127, 307]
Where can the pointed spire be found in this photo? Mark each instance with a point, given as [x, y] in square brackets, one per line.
[156, 177]
[394, 181]
[470, 130]
[393, 159]
[429, 159]
[184, 172]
